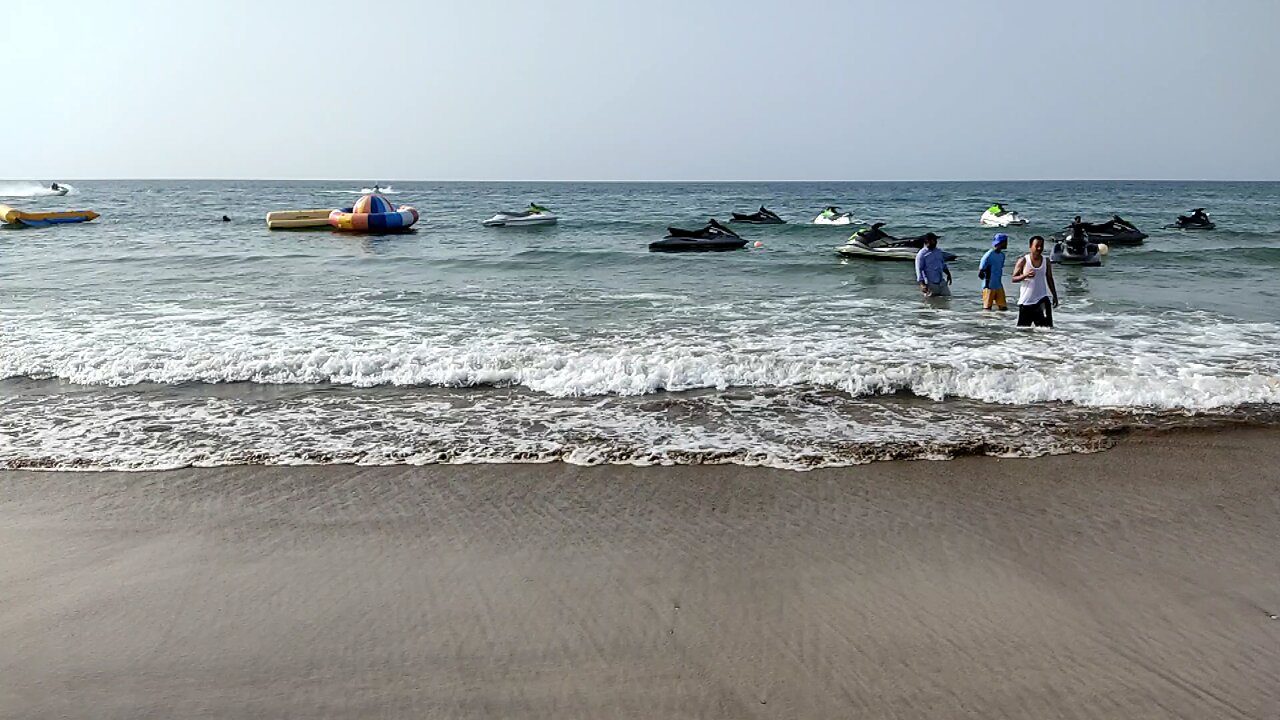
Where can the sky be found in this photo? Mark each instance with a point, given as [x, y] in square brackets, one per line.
[675, 90]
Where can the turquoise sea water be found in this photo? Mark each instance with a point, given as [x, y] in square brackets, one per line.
[159, 336]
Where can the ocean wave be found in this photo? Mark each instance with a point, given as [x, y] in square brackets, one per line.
[163, 429]
[796, 429]
[1090, 360]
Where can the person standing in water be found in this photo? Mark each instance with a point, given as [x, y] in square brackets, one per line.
[1035, 273]
[931, 269]
[991, 270]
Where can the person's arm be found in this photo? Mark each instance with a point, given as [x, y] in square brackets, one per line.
[920, 278]
[1048, 269]
[1018, 275]
[946, 271]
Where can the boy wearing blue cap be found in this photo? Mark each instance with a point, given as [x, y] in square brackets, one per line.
[991, 270]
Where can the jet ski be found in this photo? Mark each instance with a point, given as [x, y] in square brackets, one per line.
[833, 216]
[1076, 249]
[998, 216]
[1116, 231]
[1197, 220]
[872, 242]
[763, 216]
[56, 189]
[713, 237]
[534, 215]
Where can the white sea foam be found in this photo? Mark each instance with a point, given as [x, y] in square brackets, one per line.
[1134, 361]
[159, 430]
[31, 190]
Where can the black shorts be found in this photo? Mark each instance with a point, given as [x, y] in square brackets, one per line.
[1040, 314]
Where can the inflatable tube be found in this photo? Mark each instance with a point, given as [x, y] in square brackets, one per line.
[373, 214]
[296, 219]
[11, 216]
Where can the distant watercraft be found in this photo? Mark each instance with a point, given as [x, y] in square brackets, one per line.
[763, 216]
[833, 216]
[998, 216]
[1197, 220]
[535, 214]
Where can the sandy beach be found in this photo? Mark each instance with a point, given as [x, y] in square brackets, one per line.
[1142, 582]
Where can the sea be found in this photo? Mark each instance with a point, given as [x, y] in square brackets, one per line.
[159, 336]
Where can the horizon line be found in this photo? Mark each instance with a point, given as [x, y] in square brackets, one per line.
[666, 182]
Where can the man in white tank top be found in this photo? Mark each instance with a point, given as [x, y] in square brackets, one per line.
[1035, 274]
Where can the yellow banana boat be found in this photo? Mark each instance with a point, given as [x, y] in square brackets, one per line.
[13, 216]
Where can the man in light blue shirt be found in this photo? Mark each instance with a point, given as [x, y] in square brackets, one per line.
[991, 270]
[931, 269]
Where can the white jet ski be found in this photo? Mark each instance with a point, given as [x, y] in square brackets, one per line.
[56, 189]
[833, 216]
[876, 244]
[997, 216]
[856, 248]
[534, 215]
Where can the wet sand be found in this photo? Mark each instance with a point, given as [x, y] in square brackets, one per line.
[1138, 583]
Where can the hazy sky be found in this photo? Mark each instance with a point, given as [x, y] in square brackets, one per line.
[640, 89]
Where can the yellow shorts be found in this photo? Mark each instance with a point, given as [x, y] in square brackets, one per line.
[993, 296]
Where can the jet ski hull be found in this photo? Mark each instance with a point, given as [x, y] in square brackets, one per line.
[856, 249]
[1175, 226]
[841, 219]
[59, 192]
[1109, 239]
[1131, 238]
[1108, 233]
[1009, 219]
[688, 244]
[1092, 257]
[743, 220]
[507, 220]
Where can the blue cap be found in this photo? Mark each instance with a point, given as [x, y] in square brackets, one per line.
[1000, 237]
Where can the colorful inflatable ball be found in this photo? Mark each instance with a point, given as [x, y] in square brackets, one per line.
[17, 218]
[373, 214]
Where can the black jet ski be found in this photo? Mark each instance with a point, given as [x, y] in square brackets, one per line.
[1076, 248]
[1197, 220]
[713, 237]
[1116, 231]
[763, 216]
[873, 242]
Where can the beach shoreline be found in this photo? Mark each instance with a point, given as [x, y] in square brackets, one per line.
[1138, 582]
